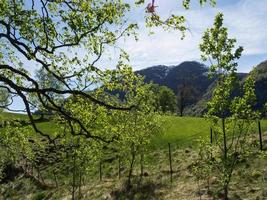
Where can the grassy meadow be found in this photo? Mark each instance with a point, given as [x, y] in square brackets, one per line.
[181, 133]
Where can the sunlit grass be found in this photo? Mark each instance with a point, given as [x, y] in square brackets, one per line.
[8, 116]
[179, 131]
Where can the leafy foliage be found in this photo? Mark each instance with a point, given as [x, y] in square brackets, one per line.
[4, 98]
[165, 99]
[231, 118]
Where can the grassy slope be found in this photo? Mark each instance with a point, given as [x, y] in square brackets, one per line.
[8, 116]
[181, 133]
[48, 127]
[184, 131]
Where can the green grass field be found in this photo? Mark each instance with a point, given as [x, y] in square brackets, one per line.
[184, 131]
[179, 131]
[45, 126]
[8, 116]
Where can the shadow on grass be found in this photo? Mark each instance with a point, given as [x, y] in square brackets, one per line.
[138, 190]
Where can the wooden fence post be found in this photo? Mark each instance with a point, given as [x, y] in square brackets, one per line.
[260, 135]
[170, 160]
[100, 170]
[119, 168]
[141, 164]
[211, 134]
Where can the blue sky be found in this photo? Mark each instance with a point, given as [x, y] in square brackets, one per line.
[245, 19]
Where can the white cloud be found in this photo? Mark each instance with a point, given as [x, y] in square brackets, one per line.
[246, 20]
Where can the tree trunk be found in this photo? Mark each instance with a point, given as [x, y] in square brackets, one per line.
[80, 185]
[224, 139]
[55, 177]
[73, 177]
[131, 168]
[141, 165]
[225, 190]
[181, 109]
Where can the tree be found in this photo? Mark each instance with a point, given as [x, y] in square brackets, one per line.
[125, 134]
[4, 98]
[165, 100]
[47, 80]
[186, 94]
[231, 118]
[51, 34]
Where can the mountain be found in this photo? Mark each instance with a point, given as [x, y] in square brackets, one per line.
[195, 74]
[261, 84]
[200, 107]
[156, 74]
[190, 72]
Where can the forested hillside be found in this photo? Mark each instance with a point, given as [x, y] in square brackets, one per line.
[195, 74]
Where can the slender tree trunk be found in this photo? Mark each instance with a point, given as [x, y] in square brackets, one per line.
[38, 174]
[42, 177]
[32, 169]
[181, 109]
[141, 165]
[80, 185]
[131, 167]
[224, 139]
[73, 177]
[225, 190]
[55, 177]
[260, 135]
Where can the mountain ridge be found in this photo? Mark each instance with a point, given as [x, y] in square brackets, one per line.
[196, 75]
